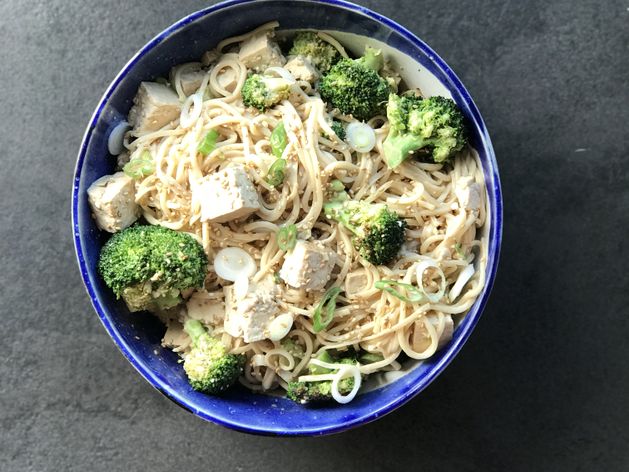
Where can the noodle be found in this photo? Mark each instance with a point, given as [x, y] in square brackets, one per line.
[365, 318]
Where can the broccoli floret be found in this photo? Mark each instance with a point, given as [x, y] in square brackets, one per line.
[209, 367]
[354, 86]
[378, 232]
[149, 266]
[293, 348]
[309, 45]
[338, 129]
[304, 392]
[433, 125]
[262, 92]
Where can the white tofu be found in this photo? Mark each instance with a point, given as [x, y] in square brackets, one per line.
[307, 266]
[175, 337]
[210, 57]
[421, 339]
[154, 106]
[201, 306]
[468, 192]
[259, 52]
[191, 81]
[249, 315]
[226, 195]
[355, 282]
[112, 199]
[228, 79]
[302, 69]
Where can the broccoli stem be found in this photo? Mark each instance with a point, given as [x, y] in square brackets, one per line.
[398, 148]
[195, 330]
[372, 59]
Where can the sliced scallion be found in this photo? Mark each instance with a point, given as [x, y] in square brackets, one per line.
[140, 167]
[275, 176]
[413, 294]
[278, 140]
[324, 313]
[208, 143]
[287, 237]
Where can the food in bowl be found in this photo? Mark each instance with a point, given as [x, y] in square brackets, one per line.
[298, 218]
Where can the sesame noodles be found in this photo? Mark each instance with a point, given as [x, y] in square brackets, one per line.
[443, 245]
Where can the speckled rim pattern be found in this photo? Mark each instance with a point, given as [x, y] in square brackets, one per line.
[472, 317]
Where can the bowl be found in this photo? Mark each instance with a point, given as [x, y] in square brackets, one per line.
[138, 337]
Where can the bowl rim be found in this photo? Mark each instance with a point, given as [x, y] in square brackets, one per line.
[495, 233]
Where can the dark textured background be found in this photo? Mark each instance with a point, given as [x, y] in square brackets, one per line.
[542, 383]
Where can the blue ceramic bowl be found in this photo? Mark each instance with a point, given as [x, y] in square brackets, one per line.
[138, 337]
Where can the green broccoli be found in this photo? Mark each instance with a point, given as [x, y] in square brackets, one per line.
[262, 92]
[149, 266]
[293, 348]
[304, 392]
[209, 367]
[309, 45]
[378, 232]
[338, 129]
[354, 86]
[433, 125]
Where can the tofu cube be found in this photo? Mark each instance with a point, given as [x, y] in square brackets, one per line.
[226, 195]
[154, 106]
[308, 266]
[302, 69]
[468, 193]
[228, 79]
[175, 337]
[249, 315]
[259, 52]
[201, 306]
[112, 199]
[191, 76]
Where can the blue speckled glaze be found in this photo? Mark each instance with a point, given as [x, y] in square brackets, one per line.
[138, 337]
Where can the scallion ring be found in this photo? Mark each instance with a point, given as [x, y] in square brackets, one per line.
[287, 237]
[360, 136]
[275, 176]
[278, 140]
[140, 167]
[324, 313]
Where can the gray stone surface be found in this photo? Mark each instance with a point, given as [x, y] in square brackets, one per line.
[541, 384]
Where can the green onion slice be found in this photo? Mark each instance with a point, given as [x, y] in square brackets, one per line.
[275, 176]
[208, 143]
[287, 237]
[279, 140]
[414, 294]
[324, 313]
[459, 250]
[140, 167]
